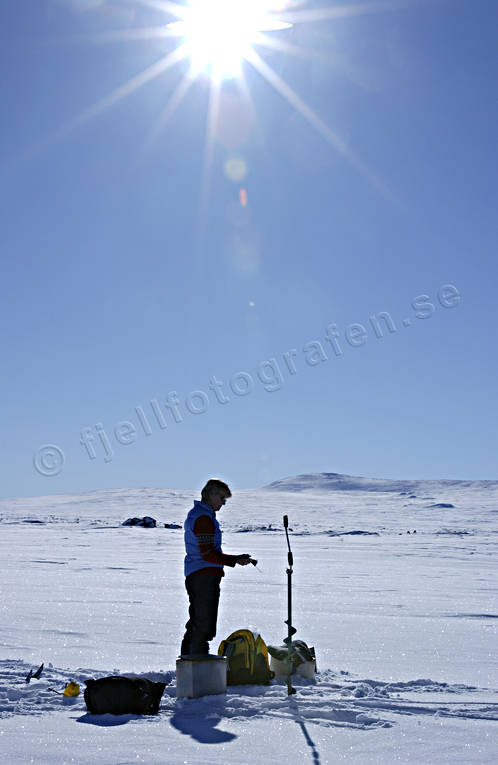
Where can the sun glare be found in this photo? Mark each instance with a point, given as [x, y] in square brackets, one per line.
[220, 34]
[217, 36]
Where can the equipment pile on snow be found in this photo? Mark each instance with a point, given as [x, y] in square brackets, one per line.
[247, 656]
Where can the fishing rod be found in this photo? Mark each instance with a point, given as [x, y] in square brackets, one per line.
[255, 564]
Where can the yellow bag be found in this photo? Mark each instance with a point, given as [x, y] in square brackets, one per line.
[71, 689]
[247, 659]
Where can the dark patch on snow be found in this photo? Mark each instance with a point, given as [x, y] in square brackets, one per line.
[247, 529]
[146, 522]
[472, 616]
[441, 504]
[454, 532]
[355, 533]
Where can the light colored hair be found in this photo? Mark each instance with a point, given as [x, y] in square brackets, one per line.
[214, 484]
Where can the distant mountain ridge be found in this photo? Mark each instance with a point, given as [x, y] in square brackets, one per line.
[340, 482]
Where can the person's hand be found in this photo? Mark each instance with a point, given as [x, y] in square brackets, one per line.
[243, 560]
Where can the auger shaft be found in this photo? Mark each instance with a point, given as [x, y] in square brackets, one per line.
[290, 628]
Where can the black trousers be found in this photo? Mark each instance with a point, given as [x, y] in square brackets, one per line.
[204, 595]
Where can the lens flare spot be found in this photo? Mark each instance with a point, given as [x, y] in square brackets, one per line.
[243, 253]
[235, 169]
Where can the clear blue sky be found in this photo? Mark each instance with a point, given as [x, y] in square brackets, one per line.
[119, 286]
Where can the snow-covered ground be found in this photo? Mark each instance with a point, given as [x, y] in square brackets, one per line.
[403, 624]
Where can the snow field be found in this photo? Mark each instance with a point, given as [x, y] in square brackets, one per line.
[404, 627]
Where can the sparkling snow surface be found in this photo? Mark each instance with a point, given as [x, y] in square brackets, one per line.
[404, 624]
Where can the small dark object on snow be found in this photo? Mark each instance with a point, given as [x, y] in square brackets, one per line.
[121, 695]
[147, 522]
[172, 526]
[36, 674]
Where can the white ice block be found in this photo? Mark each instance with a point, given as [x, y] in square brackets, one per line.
[200, 675]
[305, 669]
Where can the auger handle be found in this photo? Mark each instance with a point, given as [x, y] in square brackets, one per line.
[289, 554]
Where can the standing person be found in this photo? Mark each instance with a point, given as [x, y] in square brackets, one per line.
[204, 562]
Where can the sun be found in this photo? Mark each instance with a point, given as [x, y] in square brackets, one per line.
[219, 34]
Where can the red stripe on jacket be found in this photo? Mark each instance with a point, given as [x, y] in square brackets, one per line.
[204, 530]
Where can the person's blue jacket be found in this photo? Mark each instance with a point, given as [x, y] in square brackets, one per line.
[194, 560]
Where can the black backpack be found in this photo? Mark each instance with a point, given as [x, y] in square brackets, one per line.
[121, 695]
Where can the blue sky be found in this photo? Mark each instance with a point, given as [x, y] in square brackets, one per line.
[131, 270]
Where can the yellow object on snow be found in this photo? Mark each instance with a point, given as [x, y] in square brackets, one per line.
[72, 689]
